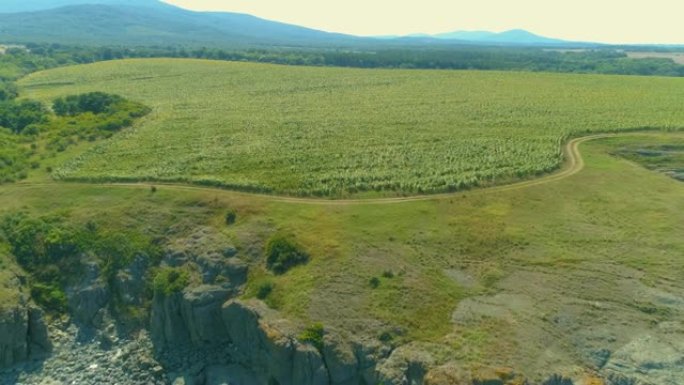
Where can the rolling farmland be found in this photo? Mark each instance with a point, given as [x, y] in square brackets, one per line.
[349, 132]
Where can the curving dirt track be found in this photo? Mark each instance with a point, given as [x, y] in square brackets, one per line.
[573, 164]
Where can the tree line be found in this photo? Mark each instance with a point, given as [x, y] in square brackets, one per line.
[591, 61]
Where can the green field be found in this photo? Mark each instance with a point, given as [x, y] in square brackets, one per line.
[345, 132]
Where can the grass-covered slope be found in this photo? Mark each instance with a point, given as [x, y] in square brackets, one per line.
[336, 132]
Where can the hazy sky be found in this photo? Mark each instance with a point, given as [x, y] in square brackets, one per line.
[611, 21]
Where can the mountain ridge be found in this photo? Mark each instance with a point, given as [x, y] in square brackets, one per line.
[130, 22]
[118, 22]
[509, 36]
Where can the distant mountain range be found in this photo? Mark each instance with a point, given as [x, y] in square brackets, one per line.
[152, 22]
[146, 22]
[515, 36]
[13, 6]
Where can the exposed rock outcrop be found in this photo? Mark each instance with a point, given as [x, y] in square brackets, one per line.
[216, 259]
[268, 345]
[656, 358]
[406, 366]
[192, 317]
[23, 329]
[130, 282]
[23, 335]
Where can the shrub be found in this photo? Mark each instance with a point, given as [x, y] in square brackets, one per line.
[389, 274]
[386, 337]
[282, 254]
[374, 282]
[313, 335]
[169, 280]
[264, 290]
[50, 297]
[231, 217]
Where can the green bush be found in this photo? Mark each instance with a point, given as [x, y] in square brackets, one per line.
[169, 280]
[264, 290]
[374, 282]
[231, 217]
[282, 254]
[313, 335]
[50, 297]
[389, 274]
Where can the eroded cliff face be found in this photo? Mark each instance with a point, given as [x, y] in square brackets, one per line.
[205, 334]
[190, 318]
[23, 330]
[261, 348]
[267, 344]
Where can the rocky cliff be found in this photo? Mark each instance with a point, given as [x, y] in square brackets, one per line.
[23, 330]
[204, 333]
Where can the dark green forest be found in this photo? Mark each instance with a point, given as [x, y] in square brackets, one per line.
[594, 61]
